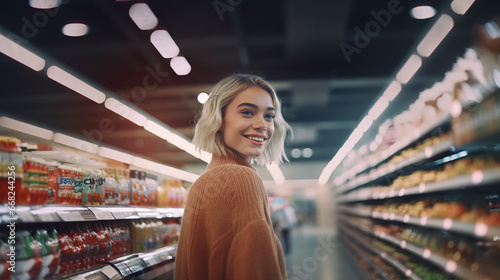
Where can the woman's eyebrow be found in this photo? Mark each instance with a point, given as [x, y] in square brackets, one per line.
[254, 106]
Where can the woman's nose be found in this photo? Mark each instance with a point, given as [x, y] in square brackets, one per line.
[260, 123]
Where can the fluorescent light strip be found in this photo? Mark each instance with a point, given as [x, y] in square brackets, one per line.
[392, 90]
[365, 123]
[75, 143]
[20, 54]
[276, 173]
[125, 111]
[175, 140]
[461, 6]
[114, 154]
[26, 128]
[142, 16]
[66, 79]
[164, 169]
[409, 69]
[339, 156]
[180, 65]
[164, 43]
[435, 35]
[378, 108]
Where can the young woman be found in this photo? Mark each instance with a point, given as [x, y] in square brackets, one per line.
[226, 230]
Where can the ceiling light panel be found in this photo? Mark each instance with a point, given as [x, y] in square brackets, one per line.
[143, 16]
[66, 79]
[435, 35]
[44, 4]
[20, 54]
[125, 111]
[164, 43]
[409, 69]
[180, 65]
[75, 29]
[422, 12]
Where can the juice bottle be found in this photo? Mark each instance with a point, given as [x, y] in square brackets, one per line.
[16, 166]
[77, 196]
[87, 184]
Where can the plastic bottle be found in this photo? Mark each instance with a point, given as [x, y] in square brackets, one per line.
[16, 165]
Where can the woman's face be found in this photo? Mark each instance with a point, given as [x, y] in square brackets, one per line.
[248, 123]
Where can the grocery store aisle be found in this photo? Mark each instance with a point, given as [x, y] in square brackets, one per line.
[316, 254]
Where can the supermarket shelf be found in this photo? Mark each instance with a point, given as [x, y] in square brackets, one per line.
[429, 152]
[132, 265]
[395, 263]
[62, 213]
[107, 272]
[149, 265]
[477, 179]
[473, 229]
[448, 265]
[392, 150]
[361, 253]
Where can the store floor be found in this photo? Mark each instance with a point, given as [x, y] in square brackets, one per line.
[316, 254]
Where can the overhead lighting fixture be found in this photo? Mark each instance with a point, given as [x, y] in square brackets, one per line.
[365, 123]
[180, 65]
[164, 169]
[435, 35]
[66, 79]
[422, 12]
[142, 16]
[44, 4]
[75, 29]
[75, 143]
[307, 152]
[378, 108]
[409, 69]
[125, 111]
[276, 173]
[175, 140]
[164, 43]
[392, 90]
[296, 153]
[26, 128]
[461, 6]
[202, 97]
[115, 155]
[20, 54]
[157, 129]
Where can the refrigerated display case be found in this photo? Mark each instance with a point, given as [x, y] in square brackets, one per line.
[48, 236]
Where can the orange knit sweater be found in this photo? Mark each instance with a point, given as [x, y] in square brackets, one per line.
[226, 230]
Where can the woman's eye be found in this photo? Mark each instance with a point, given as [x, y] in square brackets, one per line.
[248, 113]
[270, 116]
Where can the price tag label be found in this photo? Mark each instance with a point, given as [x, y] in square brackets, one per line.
[122, 213]
[102, 213]
[48, 217]
[110, 272]
[70, 216]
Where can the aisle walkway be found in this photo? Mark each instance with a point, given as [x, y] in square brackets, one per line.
[317, 255]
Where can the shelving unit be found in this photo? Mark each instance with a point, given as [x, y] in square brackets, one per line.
[149, 263]
[465, 164]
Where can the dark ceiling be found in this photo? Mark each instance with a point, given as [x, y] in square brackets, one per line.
[294, 44]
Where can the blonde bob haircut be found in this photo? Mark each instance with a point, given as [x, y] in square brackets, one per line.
[206, 136]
